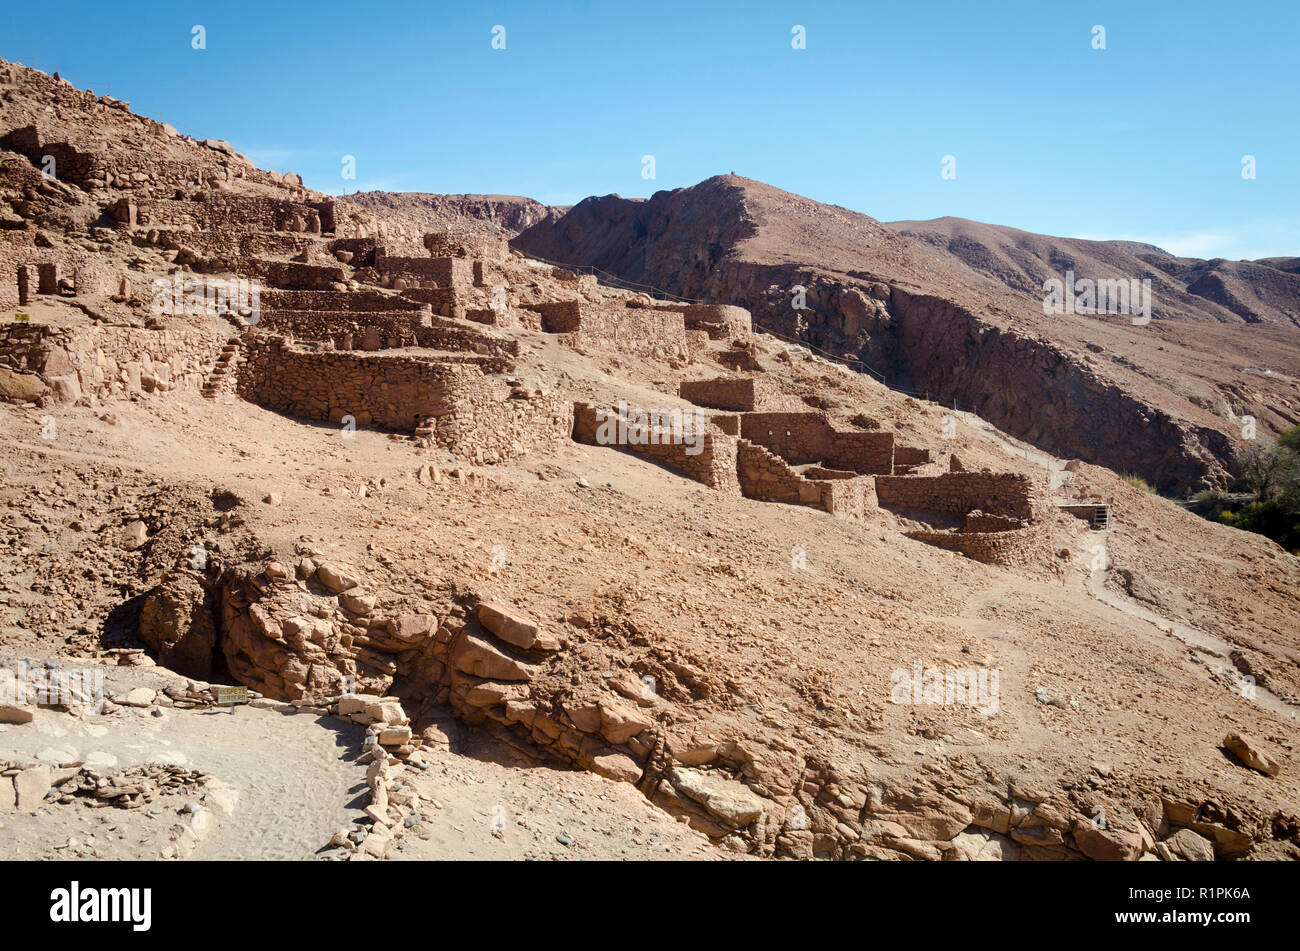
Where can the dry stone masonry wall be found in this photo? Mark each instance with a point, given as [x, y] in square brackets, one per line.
[811, 437]
[850, 473]
[102, 363]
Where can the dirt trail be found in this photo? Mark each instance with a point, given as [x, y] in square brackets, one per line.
[298, 782]
[294, 775]
[1209, 649]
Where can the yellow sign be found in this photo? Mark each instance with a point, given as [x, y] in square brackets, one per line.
[229, 696]
[21, 317]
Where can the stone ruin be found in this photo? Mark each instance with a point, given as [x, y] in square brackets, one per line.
[805, 458]
[352, 323]
[419, 339]
[409, 335]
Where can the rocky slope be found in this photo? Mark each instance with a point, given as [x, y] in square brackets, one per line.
[1185, 289]
[955, 309]
[423, 212]
[575, 610]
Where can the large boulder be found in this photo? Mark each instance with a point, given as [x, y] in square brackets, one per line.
[337, 578]
[31, 785]
[178, 623]
[16, 712]
[473, 655]
[1252, 753]
[926, 816]
[1104, 844]
[1186, 846]
[21, 387]
[511, 627]
[620, 721]
[728, 800]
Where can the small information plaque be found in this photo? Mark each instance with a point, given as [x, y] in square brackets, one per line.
[229, 696]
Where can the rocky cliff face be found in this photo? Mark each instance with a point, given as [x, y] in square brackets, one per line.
[959, 315]
[486, 214]
[1026, 385]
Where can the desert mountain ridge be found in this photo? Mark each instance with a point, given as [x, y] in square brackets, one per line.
[513, 562]
[955, 309]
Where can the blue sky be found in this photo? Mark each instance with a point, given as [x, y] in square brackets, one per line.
[1142, 140]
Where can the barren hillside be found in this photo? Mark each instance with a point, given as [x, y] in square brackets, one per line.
[1185, 289]
[516, 564]
[955, 309]
[486, 214]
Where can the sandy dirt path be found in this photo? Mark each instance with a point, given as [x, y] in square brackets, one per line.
[295, 776]
[298, 782]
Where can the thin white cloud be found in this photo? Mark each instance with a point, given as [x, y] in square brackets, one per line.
[1250, 240]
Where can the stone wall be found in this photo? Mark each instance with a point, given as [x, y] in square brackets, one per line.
[223, 212]
[361, 330]
[296, 276]
[86, 271]
[366, 299]
[635, 330]
[444, 272]
[738, 359]
[503, 317]
[463, 244]
[909, 457]
[490, 422]
[362, 250]
[768, 478]
[996, 493]
[738, 466]
[714, 464]
[346, 330]
[849, 498]
[738, 394]
[978, 521]
[257, 245]
[104, 363]
[697, 344]
[1087, 512]
[820, 472]
[445, 301]
[471, 414]
[94, 164]
[390, 392]
[728, 423]
[801, 438]
[439, 333]
[558, 317]
[632, 330]
[1028, 547]
[719, 321]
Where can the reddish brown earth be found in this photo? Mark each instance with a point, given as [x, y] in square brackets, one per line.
[955, 309]
[419, 212]
[727, 664]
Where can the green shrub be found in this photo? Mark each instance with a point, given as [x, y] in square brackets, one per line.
[1138, 482]
[1272, 518]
